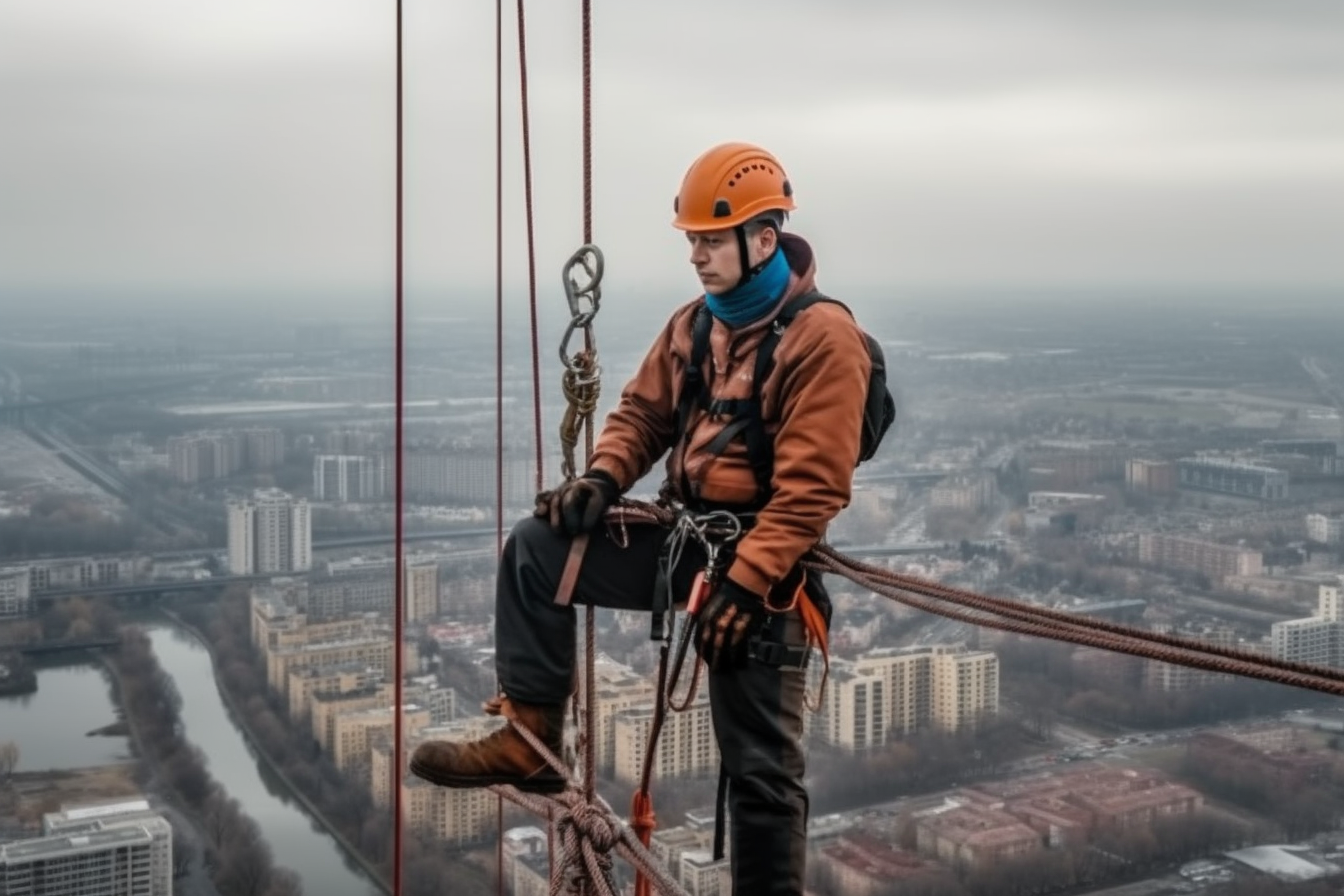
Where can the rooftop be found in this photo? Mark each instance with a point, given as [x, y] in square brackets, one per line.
[37, 848]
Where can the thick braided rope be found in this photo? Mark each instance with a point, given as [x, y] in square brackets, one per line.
[1028, 619]
[588, 831]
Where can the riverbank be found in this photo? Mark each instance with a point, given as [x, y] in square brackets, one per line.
[26, 796]
[240, 719]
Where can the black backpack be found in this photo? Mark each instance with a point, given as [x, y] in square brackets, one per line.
[745, 414]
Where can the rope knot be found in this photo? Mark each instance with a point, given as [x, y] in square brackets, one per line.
[589, 822]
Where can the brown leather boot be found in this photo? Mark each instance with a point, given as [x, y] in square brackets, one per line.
[501, 757]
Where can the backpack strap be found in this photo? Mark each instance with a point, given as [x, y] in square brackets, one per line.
[744, 413]
[760, 448]
[694, 389]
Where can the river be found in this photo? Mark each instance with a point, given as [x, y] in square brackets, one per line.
[50, 725]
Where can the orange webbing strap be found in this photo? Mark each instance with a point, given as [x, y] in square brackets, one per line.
[642, 822]
[817, 634]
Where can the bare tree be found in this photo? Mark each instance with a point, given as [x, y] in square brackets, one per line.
[9, 758]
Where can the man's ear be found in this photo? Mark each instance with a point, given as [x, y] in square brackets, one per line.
[769, 239]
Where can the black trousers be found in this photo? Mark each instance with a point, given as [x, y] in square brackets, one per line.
[757, 710]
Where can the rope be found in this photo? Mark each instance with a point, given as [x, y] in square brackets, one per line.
[1028, 619]
[587, 829]
[398, 608]
[531, 241]
[499, 363]
[588, 397]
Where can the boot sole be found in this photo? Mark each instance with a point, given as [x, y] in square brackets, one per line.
[549, 783]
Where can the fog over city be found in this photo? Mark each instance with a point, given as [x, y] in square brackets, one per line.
[1098, 244]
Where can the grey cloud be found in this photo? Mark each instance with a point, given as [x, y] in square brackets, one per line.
[977, 140]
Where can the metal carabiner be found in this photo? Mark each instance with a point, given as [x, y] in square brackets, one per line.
[588, 259]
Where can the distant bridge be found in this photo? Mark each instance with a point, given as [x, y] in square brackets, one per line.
[895, 550]
[46, 647]
[920, 477]
[31, 408]
[151, 589]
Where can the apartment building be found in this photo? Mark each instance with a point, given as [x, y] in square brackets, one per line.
[120, 848]
[969, 492]
[454, 816]
[270, 532]
[893, 691]
[347, 593]
[72, 573]
[619, 689]
[327, 709]
[15, 591]
[1160, 676]
[971, 836]
[1191, 554]
[965, 687]
[201, 456]
[1234, 478]
[1325, 529]
[349, 477]
[421, 586]
[862, 864]
[309, 682]
[375, 649]
[687, 852]
[1150, 477]
[686, 746]
[353, 734]
[1319, 639]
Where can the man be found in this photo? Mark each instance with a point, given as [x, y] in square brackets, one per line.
[732, 205]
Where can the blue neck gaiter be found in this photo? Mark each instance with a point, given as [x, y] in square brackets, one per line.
[749, 301]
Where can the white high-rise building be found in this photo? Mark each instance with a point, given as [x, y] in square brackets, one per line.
[1319, 639]
[15, 591]
[270, 532]
[110, 849]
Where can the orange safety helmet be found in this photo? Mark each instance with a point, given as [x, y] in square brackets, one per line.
[729, 185]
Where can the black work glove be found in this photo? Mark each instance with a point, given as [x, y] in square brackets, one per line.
[726, 624]
[577, 505]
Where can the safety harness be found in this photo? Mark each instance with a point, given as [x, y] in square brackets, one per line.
[744, 415]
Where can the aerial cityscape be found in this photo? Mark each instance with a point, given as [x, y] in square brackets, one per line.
[194, 518]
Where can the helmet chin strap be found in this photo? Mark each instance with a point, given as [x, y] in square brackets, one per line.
[748, 272]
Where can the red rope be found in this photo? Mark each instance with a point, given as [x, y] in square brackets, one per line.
[499, 363]
[398, 614]
[531, 242]
[587, 121]
[590, 625]
[499, 274]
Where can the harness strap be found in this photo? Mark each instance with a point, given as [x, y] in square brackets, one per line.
[564, 592]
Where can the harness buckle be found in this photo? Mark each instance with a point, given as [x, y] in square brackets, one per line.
[777, 654]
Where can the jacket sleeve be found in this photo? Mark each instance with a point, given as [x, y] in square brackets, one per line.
[640, 429]
[822, 394]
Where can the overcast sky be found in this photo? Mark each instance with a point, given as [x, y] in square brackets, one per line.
[247, 146]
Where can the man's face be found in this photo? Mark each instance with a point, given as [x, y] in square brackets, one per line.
[716, 259]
